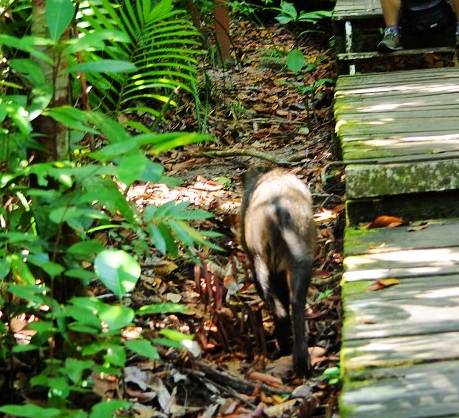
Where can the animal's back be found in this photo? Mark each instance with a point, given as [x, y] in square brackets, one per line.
[278, 219]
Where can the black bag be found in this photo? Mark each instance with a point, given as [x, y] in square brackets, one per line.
[426, 16]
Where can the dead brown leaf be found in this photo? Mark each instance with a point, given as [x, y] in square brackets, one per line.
[387, 221]
[383, 283]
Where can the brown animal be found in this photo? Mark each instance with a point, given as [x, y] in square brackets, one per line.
[278, 234]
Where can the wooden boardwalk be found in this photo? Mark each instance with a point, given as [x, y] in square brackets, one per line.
[399, 136]
[399, 132]
[358, 29]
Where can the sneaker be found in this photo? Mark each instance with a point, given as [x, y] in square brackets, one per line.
[390, 41]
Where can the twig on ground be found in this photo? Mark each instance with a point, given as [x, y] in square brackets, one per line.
[227, 379]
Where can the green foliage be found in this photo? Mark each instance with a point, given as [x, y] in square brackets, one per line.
[331, 375]
[54, 211]
[158, 39]
[295, 61]
[289, 14]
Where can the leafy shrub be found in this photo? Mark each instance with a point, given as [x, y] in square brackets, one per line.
[51, 218]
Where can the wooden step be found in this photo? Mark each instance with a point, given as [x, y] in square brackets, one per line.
[366, 56]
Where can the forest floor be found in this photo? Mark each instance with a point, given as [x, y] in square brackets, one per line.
[257, 111]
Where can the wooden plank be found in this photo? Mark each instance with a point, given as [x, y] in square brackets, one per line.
[411, 76]
[390, 115]
[385, 148]
[377, 103]
[397, 89]
[415, 287]
[401, 178]
[399, 273]
[365, 56]
[422, 126]
[427, 313]
[420, 391]
[364, 265]
[438, 233]
[380, 352]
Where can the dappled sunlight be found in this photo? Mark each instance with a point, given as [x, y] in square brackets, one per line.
[394, 259]
[404, 88]
[401, 264]
[381, 273]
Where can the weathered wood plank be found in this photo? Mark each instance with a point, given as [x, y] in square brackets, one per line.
[400, 178]
[360, 355]
[400, 114]
[439, 233]
[396, 126]
[357, 267]
[400, 89]
[358, 104]
[406, 316]
[365, 56]
[389, 149]
[414, 287]
[420, 391]
[375, 79]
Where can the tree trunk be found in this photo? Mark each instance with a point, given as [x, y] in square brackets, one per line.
[222, 31]
[53, 135]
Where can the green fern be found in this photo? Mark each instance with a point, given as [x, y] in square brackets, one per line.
[160, 41]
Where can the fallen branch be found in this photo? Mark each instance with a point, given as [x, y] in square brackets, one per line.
[227, 379]
[240, 153]
[246, 153]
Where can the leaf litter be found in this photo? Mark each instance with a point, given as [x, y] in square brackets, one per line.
[258, 113]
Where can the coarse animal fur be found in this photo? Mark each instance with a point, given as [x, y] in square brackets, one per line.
[279, 236]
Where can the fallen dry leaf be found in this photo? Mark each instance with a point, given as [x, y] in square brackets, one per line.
[383, 283]
[387, 221]
[280, 409]
[266, 378]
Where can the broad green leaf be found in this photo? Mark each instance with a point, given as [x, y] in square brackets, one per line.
[20, 270]
[28, 44]
[115, 355]
[162, 308]
[96, 40]
[174, 335]
[103, 66]
[42, 327]
[153, 172]
[59, 14]
[30, 69]
[295, 60]
[172, 249]
[106, 192]
[86, 248]
[31, 293]
[157, 238]
[4, 267]
[117, 316]
[59, 387]
[131, 167]
[118, 270]
[75, 368]
[30, 411]
[25, 348]
[289, 9]
[107, 409]
[73, 118]
[143, 347]
[79, 273]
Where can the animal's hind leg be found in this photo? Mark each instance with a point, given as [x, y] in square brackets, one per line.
[301, 275]
[280, 310]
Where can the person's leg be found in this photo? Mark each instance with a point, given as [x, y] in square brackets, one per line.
[391, 38]
[455, 6]
[391, 11]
